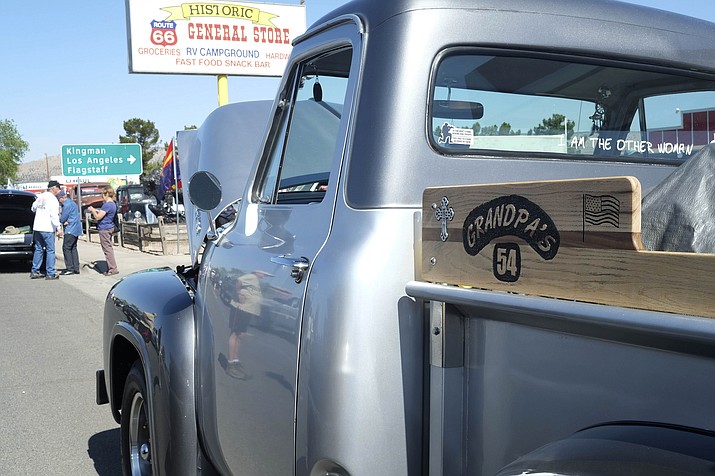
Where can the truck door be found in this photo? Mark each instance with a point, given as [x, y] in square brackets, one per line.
[255, 275]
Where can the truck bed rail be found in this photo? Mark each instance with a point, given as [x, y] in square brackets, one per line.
[568, 239]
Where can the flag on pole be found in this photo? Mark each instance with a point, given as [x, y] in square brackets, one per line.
[170, 174]
[601, 209]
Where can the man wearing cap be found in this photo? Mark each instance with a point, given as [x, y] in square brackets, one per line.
[73, 229]
[46, 224]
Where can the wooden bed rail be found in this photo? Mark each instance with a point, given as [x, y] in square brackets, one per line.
[568, 239]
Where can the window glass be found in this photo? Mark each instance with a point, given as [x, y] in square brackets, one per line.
[544, 107]
[270, 176]
[301, 157]
[680, 124]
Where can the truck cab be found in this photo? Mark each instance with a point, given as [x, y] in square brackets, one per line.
[291, 344]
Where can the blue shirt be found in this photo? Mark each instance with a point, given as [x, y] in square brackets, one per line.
[70, 214]
[107, 221]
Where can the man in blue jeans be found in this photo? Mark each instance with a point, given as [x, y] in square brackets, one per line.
[46, 224]
[73, 230]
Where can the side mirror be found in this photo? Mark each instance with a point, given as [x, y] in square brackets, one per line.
[205, 190]
[205, 194]
[448, 109]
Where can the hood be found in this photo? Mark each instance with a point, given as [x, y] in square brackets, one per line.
[16, 199]
[226, 145]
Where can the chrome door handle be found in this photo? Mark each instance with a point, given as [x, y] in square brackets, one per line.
[298, 265]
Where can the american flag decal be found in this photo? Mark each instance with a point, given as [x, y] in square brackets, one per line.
[601, 209]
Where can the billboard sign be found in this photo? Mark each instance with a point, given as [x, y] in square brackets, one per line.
[101, 159]
[215, 38]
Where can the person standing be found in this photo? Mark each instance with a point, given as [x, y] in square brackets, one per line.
[105, 227]
[46, 224]
[244, 309]
[73, 229]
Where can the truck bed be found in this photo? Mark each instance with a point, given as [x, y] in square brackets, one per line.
[594, 332]
[521, 371]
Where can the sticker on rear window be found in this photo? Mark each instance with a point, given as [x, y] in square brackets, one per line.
[450, 134]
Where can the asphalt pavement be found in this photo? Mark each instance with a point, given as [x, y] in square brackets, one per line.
[50, 348]
[129, 260]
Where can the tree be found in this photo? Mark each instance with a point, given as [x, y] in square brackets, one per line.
[490, 130]
[186, 128]
[505, 129]
[12, 149]
[554, 125]
[145, 134]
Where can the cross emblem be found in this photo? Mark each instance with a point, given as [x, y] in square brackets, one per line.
[443, 213]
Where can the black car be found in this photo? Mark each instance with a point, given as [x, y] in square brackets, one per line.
[133, 201]
[16, 218]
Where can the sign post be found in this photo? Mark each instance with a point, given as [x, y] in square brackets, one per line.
[101, 159]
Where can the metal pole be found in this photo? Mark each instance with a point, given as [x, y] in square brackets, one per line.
[176, 197]
[222, 81]
[82, 213]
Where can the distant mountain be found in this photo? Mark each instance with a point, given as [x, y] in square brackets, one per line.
[37, 170]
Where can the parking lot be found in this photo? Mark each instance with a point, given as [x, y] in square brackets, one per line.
[50, 349]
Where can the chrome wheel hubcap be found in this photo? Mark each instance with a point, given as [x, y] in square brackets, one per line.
[139, 440]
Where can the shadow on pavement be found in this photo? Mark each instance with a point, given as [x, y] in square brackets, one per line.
[103, 448]
[11, 266]
[98, 266]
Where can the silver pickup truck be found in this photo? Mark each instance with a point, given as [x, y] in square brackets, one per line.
[411, 280]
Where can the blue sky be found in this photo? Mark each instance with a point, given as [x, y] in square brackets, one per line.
[64, 77]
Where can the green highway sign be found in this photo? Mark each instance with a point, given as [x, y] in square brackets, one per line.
[102, 159]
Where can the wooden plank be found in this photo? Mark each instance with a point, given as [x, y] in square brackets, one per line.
[162, 237]
[141, 235]
[570, 239]
[130, 234]
[144, 235]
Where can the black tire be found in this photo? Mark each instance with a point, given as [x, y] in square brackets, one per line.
[135, 428]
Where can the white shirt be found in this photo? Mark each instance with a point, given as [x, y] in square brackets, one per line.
[47, 212]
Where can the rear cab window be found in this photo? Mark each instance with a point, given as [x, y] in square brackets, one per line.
[513, 103]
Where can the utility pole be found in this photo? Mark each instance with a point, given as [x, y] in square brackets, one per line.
[47, 165]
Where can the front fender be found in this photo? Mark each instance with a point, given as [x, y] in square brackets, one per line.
[149, 316]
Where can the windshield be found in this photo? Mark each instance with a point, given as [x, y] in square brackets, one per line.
[138, 195]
